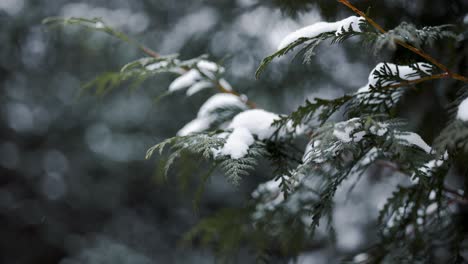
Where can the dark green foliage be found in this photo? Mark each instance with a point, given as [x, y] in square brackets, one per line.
[454, 137]
[285, 50]
[312, 44]
[285, 211]
[407, 32]
[136, 72]
[321, 109]
[293, 204]
[205, 145]
[106, 82]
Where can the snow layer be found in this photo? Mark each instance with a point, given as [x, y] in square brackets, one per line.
[185, 80]
[349, 131]
[370, 156]
[157, 65]
[413, 139]
[238, 143]
[462, 113]
[244, 126]
[322, 27]
[431, 166]
[404, 72]
[218, 101]
[257, 121]
[195, 126]
[206, 114]
[198, 86]
[193, 77]
[208, 68]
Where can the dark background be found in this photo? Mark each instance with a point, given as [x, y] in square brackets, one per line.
[74, 185]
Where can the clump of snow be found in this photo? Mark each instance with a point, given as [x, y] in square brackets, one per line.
[370, 156]
[413, 139]
[322, 27]
[379, 130]
[209, 68]
[431, 208]
[405, 72]
[198, 86]
[206, 114]
[255, 122]
[185, 80]
[218, 101]
[360, 258]
[99, 25]
[150, 64]
[196, 78]
[195, 126]
[238, 143]
[431, 166]
[157, 65]
[349, 131]
[462, 113]
[428, 169]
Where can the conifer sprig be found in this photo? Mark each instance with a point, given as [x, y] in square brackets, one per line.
[301, 191]
[413, 49]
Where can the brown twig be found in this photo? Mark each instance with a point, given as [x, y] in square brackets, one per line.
[420, 80]
[149, 52]
[413, 49]
[359, 12]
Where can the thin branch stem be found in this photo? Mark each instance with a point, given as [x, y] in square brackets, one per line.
[420, 80]
[359, 12]
[149, 51]
[413, 49]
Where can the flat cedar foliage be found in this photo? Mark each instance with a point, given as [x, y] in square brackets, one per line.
[345, 137]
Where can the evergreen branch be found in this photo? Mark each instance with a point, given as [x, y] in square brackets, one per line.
[323, 109]
[407, 32]
[335, 37]
[98, 24]
[205, 145]
[362, 14]
[452, 194]
[413, 49]
[420, 80]
[280, 53]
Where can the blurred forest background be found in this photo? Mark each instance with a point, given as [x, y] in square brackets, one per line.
[74, 185]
